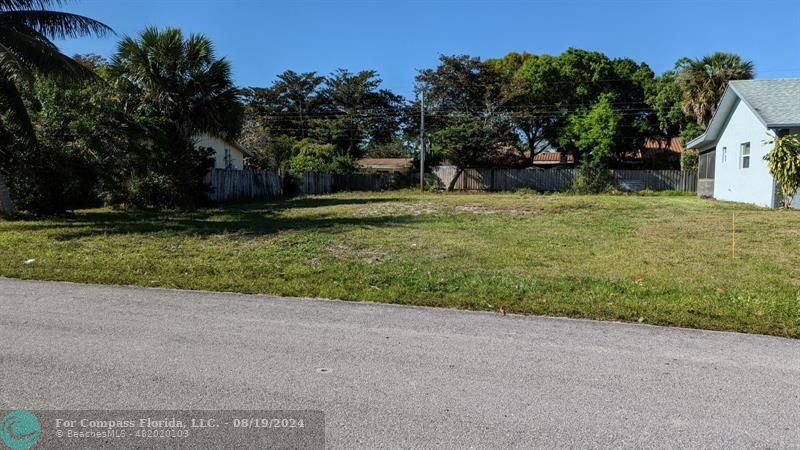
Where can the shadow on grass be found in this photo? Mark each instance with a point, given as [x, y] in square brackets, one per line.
[249, 219]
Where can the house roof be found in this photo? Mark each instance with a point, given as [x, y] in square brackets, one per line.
[666, 144]
[776, 103]
[552, 158]
[386, 163]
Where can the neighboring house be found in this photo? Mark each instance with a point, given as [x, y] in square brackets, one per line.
[655, 152]
[732, 150]
[391, 165]
[552, 159]
[227, 155]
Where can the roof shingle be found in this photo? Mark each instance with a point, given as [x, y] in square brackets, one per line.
[776, 101]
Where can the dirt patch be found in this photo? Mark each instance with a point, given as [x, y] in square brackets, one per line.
[483, 209]
[398, 209]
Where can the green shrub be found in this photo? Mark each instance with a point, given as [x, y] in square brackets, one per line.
[151, 190]
[784, 165]
[51, 181]
[592, 177]
[343, 164]
[689, 160]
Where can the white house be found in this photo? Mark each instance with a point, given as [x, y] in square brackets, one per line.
[227, 154]
[749, 115]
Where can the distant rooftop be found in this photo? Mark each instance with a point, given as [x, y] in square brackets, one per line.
[387, 164]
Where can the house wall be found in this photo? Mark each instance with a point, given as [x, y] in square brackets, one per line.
[731, 182]
[219, 146]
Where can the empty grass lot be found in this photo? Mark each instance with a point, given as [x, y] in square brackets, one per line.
[659, 259]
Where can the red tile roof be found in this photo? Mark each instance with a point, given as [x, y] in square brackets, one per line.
[672, 144]
[552, 158]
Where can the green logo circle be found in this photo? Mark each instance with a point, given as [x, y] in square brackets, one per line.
[20, 430]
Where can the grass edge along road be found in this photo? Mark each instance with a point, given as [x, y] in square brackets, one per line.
[659, 259]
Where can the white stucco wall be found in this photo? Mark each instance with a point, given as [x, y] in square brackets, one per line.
[219, 146]
[752, 185]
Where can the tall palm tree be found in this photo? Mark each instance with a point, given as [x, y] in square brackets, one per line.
[703, 81]
[182, 78]
[27, 29]
[182, 83]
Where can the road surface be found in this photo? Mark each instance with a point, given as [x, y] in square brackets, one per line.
[397, 376]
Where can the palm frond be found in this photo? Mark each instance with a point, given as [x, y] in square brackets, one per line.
[17, 5]
[43, 56]
[55, 24]
[12, 68]
[13, 108]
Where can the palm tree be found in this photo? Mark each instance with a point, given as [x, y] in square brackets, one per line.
[27, 29]
[183, 79]
[180, 82]
[703, 81]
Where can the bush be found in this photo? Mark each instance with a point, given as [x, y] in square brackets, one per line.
[343, 164]
[314, 157]
[46, 181]
[308, 163]
[592, 177]
[689, 160]
[151, 190]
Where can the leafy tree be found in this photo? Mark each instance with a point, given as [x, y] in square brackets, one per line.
[311, 156]
[784, 164]
[585, 75]
[357, 113]
[629, 87]
[703, 81]
[27, 29]
[557, 88]
[275, 155]
[593, 132]
[468, 101]
[664, 97]
[467, 141]
[535, 110]
[180, 82]
[286, 107]
[86, 145]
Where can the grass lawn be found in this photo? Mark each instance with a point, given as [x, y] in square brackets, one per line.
[659, 259]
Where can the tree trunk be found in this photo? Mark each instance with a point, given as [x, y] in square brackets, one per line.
[6, 205]
[452, 184]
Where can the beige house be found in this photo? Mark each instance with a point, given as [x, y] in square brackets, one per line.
[227, 154]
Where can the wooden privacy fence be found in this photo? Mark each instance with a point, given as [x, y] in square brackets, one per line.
[546, 180]
[656, 180]
[317, 183]
[559, 180]
[325, 183]
[248, 184]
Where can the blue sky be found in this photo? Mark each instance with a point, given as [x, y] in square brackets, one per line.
[262, 38]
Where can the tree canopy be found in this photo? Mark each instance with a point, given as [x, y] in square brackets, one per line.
[347, 111]
[124, 130]
[27, 29]
[704, 80]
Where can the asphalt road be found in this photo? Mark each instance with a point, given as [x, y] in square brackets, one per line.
[397, 376]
